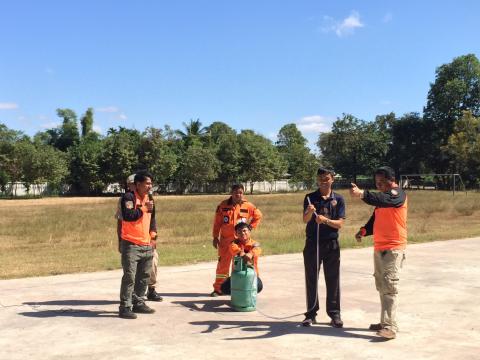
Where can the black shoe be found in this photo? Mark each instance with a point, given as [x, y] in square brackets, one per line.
[152, 295]
[336, 321]
[376, 327]
[141, 308]
[126, 313]
[215, 294]
[309, 322]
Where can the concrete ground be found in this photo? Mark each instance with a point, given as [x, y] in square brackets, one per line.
[75, 316]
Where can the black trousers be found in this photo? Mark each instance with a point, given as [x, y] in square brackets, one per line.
[329, 256]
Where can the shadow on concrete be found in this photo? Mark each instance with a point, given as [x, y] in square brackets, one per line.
[272, 329]
[76, 313]
[71, 302]
[184, 294]
[206, 305]
[66, 310]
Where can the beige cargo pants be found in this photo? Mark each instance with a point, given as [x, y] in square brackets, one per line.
[153, 275]
[387, 265]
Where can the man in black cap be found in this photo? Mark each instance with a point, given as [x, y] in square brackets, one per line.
[324, 213]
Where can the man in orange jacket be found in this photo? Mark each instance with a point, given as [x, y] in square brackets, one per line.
[139, 231]
[229, 212]
[388, 224]
[151, 292]
[248, 249]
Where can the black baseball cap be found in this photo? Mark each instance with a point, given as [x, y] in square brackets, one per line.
[323, 170]
[386, 171]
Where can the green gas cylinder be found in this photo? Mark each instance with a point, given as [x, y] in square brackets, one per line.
[243, 286]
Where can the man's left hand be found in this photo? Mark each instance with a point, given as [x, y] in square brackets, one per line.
[320, 219]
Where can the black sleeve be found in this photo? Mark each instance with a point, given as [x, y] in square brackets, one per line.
[340, 208]
[369, 225]
[129, 211]
[153, 221]
[392, 198]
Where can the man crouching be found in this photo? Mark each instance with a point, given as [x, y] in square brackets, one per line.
[248, 249]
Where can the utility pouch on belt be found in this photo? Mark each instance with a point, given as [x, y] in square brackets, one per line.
[334, 244]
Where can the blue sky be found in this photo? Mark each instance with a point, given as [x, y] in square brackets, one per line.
[251, 64]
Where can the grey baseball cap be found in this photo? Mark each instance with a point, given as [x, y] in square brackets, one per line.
[131, 179]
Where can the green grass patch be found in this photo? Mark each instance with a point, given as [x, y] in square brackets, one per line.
[66, 235]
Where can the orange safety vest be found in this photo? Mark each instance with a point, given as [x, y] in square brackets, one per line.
[228, 215]
[251, 246]
[390, 228]
[138, 232]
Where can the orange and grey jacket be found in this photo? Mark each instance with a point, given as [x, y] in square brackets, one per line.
[251, 246]
[228, 215]
[388, 223]
[138, 225]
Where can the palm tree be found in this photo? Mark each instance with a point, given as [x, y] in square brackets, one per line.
[193, 131]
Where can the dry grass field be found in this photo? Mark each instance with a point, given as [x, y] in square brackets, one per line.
[66, 235]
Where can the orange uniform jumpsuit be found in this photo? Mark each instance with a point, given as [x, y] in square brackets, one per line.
[227, 216]
[250, 246]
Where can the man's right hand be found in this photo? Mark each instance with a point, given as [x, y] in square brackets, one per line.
[215, 243]
[310, 209]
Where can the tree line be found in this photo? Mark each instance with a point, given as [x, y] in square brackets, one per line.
[444, 139]
[83, 162]
[77, 160]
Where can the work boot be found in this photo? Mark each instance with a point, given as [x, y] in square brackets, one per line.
[376, 327]
[336, 321]
[152, 295]
[141, 308]
[126, 313]
[309, 321]
[387, 333]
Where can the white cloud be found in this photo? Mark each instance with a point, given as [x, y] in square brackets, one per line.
[108, 109]
[344, 27]
[122, 116]
[272, 136]
[97, 129]
[314, 124]
[8, 106]
[387, 17]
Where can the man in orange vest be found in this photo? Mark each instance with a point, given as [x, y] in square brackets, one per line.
[139, 231]
[229, 212]
[388, 224]
[151, 292]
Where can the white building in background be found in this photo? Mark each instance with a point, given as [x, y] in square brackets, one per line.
[274, 186]
[19, 189]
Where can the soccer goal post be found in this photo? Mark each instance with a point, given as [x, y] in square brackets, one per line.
[430, 181]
